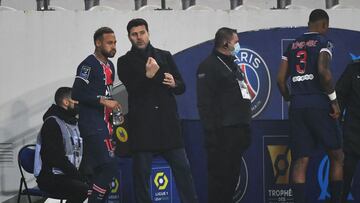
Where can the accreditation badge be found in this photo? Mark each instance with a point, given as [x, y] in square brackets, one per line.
[244, 89]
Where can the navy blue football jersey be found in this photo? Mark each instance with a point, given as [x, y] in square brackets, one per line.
[93, 80]
[302, 56]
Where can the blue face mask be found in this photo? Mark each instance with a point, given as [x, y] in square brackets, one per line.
[236, 50]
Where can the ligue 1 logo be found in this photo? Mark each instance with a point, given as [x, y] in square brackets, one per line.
[257, 78]
[161, 181]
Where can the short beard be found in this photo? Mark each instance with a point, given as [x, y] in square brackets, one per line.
[107, 54]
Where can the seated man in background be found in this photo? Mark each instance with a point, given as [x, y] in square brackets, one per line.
[59, 150]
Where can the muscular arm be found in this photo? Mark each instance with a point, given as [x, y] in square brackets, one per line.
[326, 81]
[282, 77]
[325, 73]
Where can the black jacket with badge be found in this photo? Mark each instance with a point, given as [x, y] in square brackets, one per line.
[348, 95]
[52, 148]
[219, 99]
[153, 118]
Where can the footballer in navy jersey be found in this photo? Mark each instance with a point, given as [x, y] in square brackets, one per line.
[302, 57]
[92, 88]
[314, 109]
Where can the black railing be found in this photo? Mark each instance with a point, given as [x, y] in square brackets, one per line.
[235, 3]
[331, 3]
[140, 3]
[281, 4]
[187, 3]
[91, 3]
[42, 5]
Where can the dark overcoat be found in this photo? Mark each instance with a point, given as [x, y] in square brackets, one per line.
[153, 118]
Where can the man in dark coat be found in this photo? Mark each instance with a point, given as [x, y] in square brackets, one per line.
[223, 102]
[348, 90]
[152, 79]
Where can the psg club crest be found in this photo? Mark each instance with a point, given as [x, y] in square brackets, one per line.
[257, 78]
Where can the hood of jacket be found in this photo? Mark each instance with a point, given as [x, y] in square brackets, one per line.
[61, 113]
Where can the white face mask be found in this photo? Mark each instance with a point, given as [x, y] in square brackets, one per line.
[236, 50]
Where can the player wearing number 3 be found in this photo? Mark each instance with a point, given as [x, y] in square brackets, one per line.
[314, 109]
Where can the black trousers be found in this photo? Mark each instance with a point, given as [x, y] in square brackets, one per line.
[180, 167]
[224, 162]
[351, 131]
[99, 166]
[73, 190]
[350, 162]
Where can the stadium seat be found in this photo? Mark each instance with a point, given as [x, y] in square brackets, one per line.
[246, 7]
[6, 8]
[199, 7]
[149, 8]
[214, 4]
[26, 158]
[129, 5]
[71, 5]
[101, 8]
[124, 5]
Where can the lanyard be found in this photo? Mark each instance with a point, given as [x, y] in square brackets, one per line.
[225, 64]
[241, 80]
[242, 74]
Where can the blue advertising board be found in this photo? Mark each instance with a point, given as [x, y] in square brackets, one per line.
[265, 172]
[266, 167]
[162, 184]
[260, 56]
[266, 164]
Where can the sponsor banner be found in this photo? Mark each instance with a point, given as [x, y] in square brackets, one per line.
[257, 77]
[261, 52]
[121, 137]
[276, 166]
[116, 189]
[323, 180]
[162, 184]
[267, 165]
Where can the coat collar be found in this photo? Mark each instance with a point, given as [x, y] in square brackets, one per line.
[150, 51]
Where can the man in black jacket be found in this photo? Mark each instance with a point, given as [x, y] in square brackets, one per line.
[152, 79]
[223, 102]
[348, 91]
[61, 150]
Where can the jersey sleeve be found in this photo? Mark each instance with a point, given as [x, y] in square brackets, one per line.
[82, 89]
[327, 46]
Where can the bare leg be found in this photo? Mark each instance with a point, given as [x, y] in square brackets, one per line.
[298, 178]
[336, 174]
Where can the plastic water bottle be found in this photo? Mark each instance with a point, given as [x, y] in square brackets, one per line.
[117, 117]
